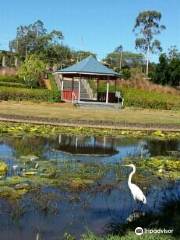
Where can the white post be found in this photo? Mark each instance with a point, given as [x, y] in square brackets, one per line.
[62, 86]
[15, 61]
[107, 91]
[4, 61]
[72, 90]
[79, 93]
[60, 139]
[76, 143]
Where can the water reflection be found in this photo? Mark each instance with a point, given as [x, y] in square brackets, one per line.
[86, 145]
[86, 148]
[108, 202]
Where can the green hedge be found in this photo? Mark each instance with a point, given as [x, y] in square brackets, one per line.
[14, 79]
[19, 94]
[13, 84]
[145, 99]
[134, 97]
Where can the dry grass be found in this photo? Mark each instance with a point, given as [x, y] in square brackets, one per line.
[140, 82]
[64, 111]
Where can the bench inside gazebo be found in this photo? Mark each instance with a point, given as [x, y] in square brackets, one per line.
[73, 83]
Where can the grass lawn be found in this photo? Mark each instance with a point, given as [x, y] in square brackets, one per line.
[65, 111]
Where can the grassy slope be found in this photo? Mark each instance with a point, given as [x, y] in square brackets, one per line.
[145, 98]
[67, 111]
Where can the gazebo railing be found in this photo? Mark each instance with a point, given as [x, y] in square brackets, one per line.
[101, 97]
[86, 85]
[70, 95]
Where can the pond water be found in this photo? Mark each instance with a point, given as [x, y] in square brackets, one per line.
[48, 212]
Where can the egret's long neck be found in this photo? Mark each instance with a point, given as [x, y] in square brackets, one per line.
[130, 175]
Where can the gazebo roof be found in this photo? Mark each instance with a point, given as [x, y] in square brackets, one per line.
[89, 66]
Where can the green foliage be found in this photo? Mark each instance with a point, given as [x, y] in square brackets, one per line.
[21, 94]
[126, 73]
[21, 129]
[129, 59]
[32, 70]
[34, 38]
[161, 74]
[167, 72]
[53, 83]
[12, 84]
[3, 168]
[134, 97]
[128, 236]
[12, 79]
[145, 99]
[147, 25]
[56, 54]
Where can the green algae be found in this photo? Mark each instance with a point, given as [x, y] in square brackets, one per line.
[11, 193]
[67, 176]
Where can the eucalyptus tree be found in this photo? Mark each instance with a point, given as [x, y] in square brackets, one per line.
[147, 25]
[34, 38]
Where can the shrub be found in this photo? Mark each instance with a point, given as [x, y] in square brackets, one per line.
[145, 99]
[32, 70]
[126, 73]
[141, 98]
[19, 94]
[12, 79]
[12, 84]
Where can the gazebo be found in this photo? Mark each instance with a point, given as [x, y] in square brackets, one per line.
[74, 87]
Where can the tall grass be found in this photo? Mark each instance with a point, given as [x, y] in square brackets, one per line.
[143, 94]
[146, 99]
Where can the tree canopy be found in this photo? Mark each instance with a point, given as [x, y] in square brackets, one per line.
[129, 59]
[34, 38]
[147, 25]
[167, 71]
[32, 70]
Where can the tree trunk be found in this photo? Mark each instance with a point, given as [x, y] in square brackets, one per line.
[147, 61]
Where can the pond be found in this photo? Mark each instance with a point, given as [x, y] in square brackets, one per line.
[72, 184]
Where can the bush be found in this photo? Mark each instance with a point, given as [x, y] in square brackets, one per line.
[12, 84]
[126, 73]
[145, 99]
[12, 79]
[32, 70]
[19, 94]
[141, 98]
[128, 236]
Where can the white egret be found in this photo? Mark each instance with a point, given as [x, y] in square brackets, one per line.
[136, 192]
[15, 167]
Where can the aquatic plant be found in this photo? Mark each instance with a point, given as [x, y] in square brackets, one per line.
[3, 168]
[17, 129]
[163, 166]
[130, 235]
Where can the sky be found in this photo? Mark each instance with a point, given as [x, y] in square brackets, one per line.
[95, 25]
